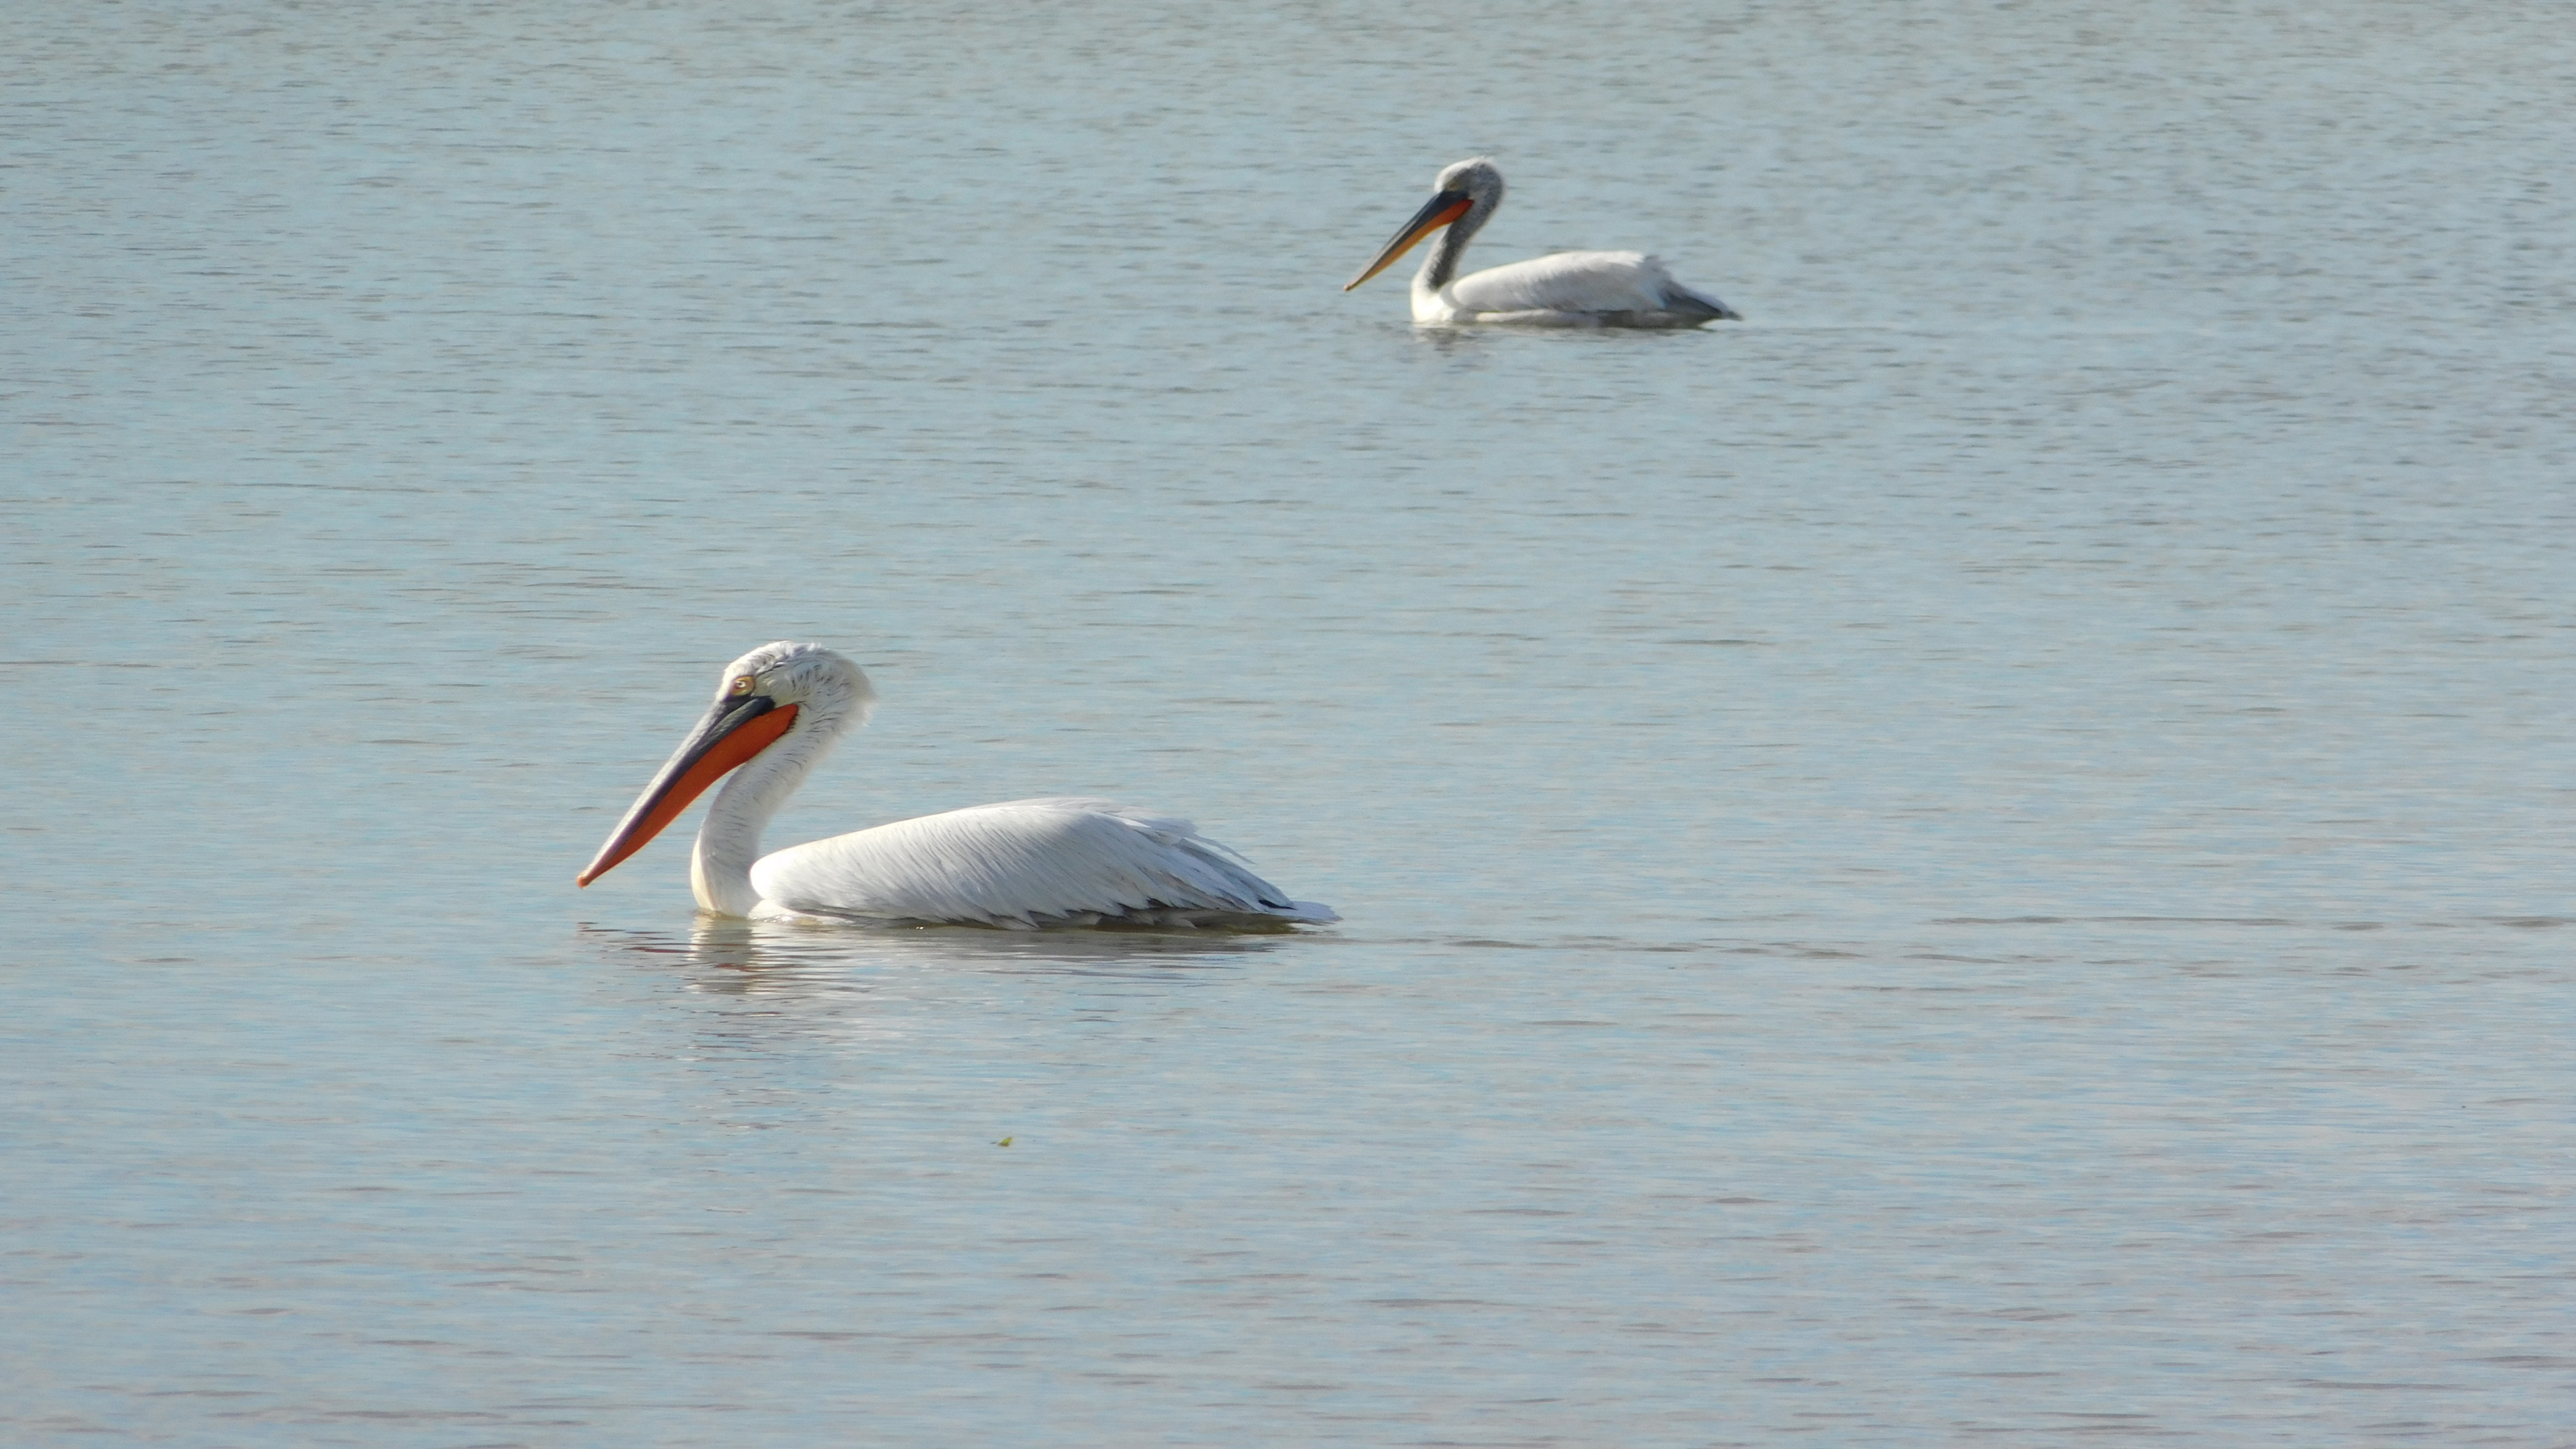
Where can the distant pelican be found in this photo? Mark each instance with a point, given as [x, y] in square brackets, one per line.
[1021, 865]
[1568, 289]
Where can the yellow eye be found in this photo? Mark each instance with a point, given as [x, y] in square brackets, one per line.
[742, 683]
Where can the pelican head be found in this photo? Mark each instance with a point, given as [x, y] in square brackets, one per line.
[1466, 193]
[782, 691]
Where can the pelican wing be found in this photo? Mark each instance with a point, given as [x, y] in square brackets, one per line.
[1024, 863]
[1582, 282]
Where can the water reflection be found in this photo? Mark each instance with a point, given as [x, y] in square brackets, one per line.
[871, 1034]
[762, 957]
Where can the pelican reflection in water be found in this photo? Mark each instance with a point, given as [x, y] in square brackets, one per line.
[1567, 289]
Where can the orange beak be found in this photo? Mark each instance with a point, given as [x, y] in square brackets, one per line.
[1436, 213]
[736, 729]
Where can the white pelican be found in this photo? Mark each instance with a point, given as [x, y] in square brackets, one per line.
[1567, 289]
[1020, 865]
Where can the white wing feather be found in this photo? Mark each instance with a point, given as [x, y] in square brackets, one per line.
[1573, 285]
[1569, 282]
[1024, 863]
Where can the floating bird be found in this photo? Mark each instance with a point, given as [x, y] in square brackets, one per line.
[1020, 865]
[1568, 289]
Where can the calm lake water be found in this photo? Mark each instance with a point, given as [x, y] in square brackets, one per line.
[1986, 856]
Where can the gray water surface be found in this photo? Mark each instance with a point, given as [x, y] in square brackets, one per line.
[1984, 856]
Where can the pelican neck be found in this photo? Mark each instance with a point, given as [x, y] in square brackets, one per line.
[728, 843]
[1441, 267]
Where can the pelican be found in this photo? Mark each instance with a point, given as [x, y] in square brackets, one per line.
[1567, 289]
[1021, 865]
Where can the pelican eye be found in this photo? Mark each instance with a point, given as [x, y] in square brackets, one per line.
[743, 683]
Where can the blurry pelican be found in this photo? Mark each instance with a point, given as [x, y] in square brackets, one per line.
[1568, 289]
[1021, 865]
